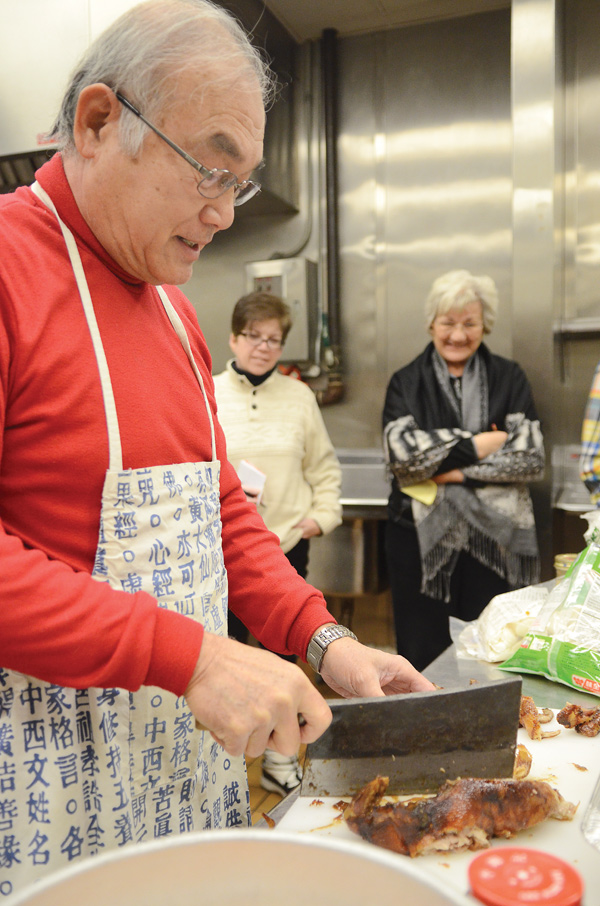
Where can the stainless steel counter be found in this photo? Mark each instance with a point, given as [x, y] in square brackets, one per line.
[365, 483]
[349, 561]
[568, 491]
[448, 670]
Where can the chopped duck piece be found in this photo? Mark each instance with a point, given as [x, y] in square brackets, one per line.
[523, 761]
[528, 717]
[583, 720]
[463, 815]
[531, 718]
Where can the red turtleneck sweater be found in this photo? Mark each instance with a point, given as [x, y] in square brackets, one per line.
[56, 622]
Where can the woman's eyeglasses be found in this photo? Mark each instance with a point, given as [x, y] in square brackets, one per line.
[255, 339]
[446, 327]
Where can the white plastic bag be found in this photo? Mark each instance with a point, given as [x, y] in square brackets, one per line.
[506, 620]
[593, 519]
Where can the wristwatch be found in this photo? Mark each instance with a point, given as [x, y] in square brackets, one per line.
[321, 641]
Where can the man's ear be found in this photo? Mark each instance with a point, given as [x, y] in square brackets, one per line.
[232, 340]
[97, 107]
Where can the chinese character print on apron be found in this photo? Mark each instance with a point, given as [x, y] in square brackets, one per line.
[86, 771]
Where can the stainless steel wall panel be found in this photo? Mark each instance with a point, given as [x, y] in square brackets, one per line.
[577, 311]
[537, 224]
[425, 187]
[584, 140]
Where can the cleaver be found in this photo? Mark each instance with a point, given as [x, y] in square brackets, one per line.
[418, 740]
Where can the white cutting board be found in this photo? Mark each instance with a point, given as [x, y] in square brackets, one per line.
[554, 760]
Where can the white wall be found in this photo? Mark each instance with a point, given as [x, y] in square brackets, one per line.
[40, 43]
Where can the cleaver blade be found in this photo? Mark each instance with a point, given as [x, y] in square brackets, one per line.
[419, 740]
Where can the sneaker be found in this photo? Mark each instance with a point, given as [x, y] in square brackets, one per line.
[280, 773]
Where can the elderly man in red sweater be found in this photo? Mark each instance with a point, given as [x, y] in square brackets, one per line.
[124, 532]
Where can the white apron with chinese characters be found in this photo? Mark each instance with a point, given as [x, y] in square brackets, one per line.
[84, 771]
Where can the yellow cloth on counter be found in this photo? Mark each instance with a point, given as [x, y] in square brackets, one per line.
[423, 491]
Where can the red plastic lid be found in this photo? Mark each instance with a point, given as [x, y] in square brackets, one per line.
[510, 875]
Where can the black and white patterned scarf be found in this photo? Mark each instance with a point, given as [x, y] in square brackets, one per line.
[494, 522]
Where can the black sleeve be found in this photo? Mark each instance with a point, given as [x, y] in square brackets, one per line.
[461, 455]
[395, 404]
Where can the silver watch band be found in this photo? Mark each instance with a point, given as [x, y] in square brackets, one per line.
[321, 641]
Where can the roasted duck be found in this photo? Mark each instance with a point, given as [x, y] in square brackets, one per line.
[464, 814]
[523, 762]
[531, 718]
[583, 720]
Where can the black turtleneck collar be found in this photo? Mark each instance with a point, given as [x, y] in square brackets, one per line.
[255, 379]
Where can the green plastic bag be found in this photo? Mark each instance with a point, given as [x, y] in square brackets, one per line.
[564, 643]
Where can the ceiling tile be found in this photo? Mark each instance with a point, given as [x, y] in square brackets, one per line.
[306, 19]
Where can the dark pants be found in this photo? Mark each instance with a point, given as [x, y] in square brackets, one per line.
[421, 622]
[298, 557]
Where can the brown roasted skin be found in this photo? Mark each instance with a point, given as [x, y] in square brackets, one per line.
[583, 720]
[528, 717]
[531, 718]
[523, 762]
[463, 815]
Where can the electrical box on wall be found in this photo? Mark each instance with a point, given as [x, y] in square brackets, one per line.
[295, 281]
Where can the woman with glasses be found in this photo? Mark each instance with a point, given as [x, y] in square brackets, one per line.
[273, 422]
[463, 439]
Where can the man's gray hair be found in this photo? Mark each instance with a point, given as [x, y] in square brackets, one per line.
[144, 53]
[455, 290]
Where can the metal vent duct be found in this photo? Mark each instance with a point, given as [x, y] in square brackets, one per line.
[19, 169]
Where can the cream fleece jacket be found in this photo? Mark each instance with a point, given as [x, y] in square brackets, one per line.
[278, 428]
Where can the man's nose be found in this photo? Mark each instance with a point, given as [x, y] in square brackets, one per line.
[219, 212]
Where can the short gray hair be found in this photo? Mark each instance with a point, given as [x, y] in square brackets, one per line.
[455, 290]
[144, 52]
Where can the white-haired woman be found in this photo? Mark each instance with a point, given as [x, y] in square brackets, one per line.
[463, 439]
